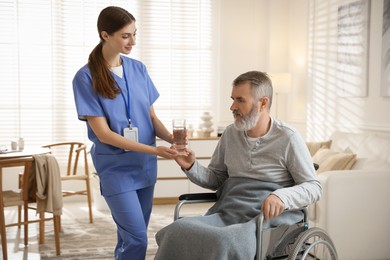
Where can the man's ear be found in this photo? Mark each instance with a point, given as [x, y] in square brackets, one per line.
[264, 102]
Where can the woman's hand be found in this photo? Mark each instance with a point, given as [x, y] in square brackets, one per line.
[166, 152]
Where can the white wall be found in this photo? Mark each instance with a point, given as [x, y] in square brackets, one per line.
[298, 51]
[272, 35]
[243, 45]
[259, 35]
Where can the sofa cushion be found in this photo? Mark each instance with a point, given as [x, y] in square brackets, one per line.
[315, 146]
[371, 164]
[345, 140]
[329, 160]
[376, 148]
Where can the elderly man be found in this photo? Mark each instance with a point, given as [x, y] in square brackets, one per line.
[259, 164]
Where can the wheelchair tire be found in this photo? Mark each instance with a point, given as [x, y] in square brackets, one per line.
[313, 243]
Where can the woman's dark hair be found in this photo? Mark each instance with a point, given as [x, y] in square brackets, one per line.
[111, 19]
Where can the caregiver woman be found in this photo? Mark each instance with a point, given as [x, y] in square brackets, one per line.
[114, 95]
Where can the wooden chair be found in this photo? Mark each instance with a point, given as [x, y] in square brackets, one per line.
[10, 198]
[75, 151]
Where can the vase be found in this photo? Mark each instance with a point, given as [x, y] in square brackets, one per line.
[205, 128]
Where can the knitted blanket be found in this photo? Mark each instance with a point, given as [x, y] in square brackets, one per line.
[228, 230]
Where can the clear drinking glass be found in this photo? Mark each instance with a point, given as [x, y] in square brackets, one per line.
[179, 135]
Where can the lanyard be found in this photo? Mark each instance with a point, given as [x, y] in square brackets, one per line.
[127, 104]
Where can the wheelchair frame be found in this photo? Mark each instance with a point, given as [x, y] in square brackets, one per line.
[298, 244]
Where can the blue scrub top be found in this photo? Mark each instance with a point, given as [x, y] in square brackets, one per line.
[120, 171]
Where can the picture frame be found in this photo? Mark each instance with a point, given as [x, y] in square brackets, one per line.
[353, 19]
[385, 65]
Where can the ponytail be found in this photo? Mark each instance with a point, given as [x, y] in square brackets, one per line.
[102, 80]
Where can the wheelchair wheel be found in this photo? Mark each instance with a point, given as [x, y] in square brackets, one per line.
[313, 243]
[286, 245]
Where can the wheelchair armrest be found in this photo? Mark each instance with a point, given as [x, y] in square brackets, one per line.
[199, 196]
[190, 198]
[304, 209]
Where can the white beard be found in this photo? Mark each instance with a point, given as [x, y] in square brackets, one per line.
[247, 122]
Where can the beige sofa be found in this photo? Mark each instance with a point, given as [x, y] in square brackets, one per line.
[355, 205]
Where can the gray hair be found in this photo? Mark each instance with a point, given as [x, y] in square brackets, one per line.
[261, 84]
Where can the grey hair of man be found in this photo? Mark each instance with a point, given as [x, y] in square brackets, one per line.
[261, 85]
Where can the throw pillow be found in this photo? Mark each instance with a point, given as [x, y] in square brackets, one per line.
[315, 146]
[329, 160]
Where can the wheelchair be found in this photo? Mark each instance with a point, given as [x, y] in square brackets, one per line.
[297, 241]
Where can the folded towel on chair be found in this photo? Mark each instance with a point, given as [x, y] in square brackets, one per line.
[228, 230]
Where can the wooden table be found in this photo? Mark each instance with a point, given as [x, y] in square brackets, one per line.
[16, 159]
[28, 151]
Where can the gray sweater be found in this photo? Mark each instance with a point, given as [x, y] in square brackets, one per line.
[281, 156]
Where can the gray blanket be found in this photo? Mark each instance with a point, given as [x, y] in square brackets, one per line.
[227, 231]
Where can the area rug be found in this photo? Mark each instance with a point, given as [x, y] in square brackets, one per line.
[82, 240]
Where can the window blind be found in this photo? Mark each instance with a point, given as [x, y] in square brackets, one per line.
[322, 63]
[44, 43]
[176, 43]
[337, 67]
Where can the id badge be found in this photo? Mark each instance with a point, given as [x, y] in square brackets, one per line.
[131, 134]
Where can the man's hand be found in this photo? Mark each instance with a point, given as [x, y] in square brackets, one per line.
[272, 207]
[186, 161]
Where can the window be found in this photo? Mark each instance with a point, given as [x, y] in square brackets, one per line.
[44, 42]
[176, 43]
